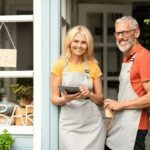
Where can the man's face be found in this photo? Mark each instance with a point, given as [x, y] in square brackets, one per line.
[125, 36]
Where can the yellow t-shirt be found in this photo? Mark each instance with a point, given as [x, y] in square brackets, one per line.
[94, 69]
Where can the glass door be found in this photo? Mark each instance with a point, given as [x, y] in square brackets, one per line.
[100, 20]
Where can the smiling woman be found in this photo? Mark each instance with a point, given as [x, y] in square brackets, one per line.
[78, 68]
[81, 40]
[79, 45]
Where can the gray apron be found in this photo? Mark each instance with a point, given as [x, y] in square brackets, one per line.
[123, 133]
[81, 125]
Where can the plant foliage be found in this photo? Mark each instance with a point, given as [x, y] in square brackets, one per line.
[147, 21]
[22, 91]
[6, 140]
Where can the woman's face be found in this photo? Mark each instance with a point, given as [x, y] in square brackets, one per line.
[78, 45]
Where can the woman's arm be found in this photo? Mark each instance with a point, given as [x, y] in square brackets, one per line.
[55, 92]
[97, 96]
[56, 97]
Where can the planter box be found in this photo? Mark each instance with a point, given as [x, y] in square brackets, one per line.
[23, 142]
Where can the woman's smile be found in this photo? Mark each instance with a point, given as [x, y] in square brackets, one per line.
[79, 44]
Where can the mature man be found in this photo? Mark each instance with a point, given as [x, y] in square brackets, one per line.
[130, 124]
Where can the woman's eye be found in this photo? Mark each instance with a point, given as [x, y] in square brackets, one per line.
[83, 42]
[76, 41]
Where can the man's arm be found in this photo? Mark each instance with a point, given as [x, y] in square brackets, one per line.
[138, 103]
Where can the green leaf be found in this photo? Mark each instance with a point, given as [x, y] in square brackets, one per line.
[147, 21]
[6, 140]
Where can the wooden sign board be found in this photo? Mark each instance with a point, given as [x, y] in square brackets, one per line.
[8, 57]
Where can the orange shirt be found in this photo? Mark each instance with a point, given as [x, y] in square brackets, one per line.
[140, 72]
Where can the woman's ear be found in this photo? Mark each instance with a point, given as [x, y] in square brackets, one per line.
[137, 33]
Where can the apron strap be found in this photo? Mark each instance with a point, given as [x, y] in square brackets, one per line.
[65, 67]
[86, 68]
[133, 57]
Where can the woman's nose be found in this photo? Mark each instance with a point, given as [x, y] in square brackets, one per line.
[79, 44]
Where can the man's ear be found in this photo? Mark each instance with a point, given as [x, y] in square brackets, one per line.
[137, 33]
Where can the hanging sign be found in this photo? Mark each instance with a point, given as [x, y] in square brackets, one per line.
[8, 57]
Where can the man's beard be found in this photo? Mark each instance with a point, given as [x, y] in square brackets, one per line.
[128, 45]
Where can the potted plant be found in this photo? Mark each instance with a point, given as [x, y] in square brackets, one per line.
[24, 93]
[6, 140]
[23, 90]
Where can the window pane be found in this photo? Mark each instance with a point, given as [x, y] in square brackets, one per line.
[16, 101]
[98, 52]
[113, 89]
[111, 25]
[22, 37]
[95, 24]
[114, 64]
[12, 7]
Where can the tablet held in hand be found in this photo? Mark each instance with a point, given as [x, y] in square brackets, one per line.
[69, 89]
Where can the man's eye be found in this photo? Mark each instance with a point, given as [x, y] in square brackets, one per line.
[123, 32]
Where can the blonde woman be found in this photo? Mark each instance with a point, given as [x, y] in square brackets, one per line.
[81, 125]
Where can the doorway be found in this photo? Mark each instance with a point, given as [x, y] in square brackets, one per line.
[100, 19]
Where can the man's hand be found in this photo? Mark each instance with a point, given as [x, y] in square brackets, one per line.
[113, 104]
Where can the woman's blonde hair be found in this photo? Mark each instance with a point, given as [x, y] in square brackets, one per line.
[89, 55]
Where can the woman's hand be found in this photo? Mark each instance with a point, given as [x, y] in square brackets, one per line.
[96, 95]
[85, 91]
[68, 97]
